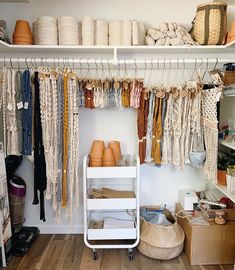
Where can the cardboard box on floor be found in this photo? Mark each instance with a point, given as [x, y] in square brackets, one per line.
[213, 244]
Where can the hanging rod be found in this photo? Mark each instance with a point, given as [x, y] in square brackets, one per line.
[102, 61]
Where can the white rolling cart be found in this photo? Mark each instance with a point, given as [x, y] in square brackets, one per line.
[123, 208]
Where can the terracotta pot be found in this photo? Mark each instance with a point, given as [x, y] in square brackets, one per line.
[95, 164]
[232, 38]
[109, 164]
[22, 28]
[22, 40]
[108, 156]
[115, 145]
[228, 40]
[95, 159]
[22, 43]
[221, 177]
[97, 149]
[233, 29]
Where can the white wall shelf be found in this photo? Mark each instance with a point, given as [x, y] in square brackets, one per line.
[224, 190]
[228, 144]
[112, 51]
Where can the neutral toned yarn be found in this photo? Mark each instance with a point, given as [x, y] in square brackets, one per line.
[126, 32]
[101, 33]
[168, 34]
[115, 33]
[138, 33]
[68, 30]
[47, 30]
[35, 33]
[88, 31]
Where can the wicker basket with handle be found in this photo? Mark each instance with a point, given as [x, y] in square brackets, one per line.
[210, 24]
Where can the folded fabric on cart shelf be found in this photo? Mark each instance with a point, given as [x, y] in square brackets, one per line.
[97, 225]
[114, 223]
[111, 193]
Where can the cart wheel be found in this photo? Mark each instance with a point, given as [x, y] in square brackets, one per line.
[130, 255]
[95, 255]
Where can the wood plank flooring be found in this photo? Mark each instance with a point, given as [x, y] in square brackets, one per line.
[68, 252]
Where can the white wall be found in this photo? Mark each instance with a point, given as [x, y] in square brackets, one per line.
[158, 185]
[149, 11]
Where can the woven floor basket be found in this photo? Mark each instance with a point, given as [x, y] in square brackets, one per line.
[210, 24]
[161, 242]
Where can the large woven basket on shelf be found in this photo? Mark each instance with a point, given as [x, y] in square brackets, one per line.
[210, 24]
[161, 242]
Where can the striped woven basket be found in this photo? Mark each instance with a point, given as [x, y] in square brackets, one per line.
[161, 242]
[210, 24]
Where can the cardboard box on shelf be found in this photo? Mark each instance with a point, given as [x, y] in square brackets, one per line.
[212, 244]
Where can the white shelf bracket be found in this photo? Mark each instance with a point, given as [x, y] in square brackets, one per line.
[115, 57]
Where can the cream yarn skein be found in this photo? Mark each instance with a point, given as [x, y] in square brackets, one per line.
[126, 33]
[88, 31]
[68, 30]
[115, 33]
[47, 30]
[101, 33]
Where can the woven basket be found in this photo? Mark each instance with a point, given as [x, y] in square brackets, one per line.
[161, 242]
[229, 77]
[210, 24]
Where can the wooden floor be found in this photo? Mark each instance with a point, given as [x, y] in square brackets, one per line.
[67, 252]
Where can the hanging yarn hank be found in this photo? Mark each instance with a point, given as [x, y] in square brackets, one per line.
[209, 111]
[40, 180]
[47, 128]
[73, 150]
[12, 141]
[65, 142]
[4, 105]
[142, 115]
[185, 126]
[157, 128]
[148, 157]
[167, 131]
[27, 114]
[176, 125]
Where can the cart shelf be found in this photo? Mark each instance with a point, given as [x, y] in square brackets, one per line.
[111, 204]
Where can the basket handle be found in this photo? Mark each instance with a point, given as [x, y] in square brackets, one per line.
[222, 25]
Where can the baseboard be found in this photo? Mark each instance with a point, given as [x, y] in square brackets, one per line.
[58, 229]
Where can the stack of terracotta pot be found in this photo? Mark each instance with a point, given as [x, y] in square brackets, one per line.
[22, 34]
[96, 154]
[231, 34]
[107, 157]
